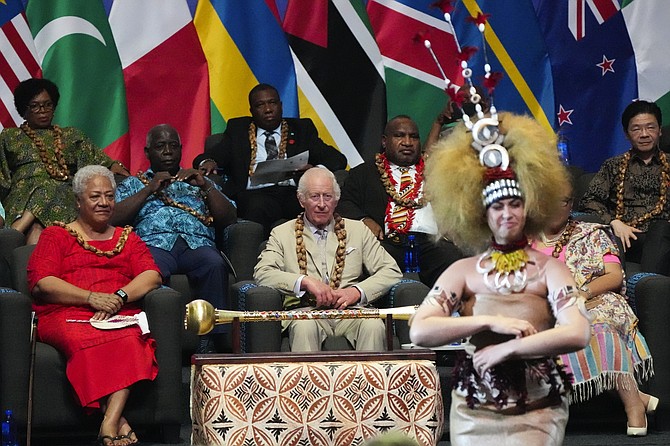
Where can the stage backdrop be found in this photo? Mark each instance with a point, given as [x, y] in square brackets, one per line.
[124, 65]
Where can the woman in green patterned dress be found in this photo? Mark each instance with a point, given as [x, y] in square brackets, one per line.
[38, 160]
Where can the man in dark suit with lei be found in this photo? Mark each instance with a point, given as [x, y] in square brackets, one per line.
[265, 135]
[393, 209]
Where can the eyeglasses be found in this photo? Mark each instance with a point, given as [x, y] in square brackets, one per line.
[651, 129]
[327, 198]
[566, 201]
[37, 106]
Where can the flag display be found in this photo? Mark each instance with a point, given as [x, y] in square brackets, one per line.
[123, 66]
[18, 59]
[165, 74]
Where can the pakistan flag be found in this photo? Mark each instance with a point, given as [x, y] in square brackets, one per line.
[76, 49]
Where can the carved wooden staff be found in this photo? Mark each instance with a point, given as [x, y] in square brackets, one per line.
[201, 317]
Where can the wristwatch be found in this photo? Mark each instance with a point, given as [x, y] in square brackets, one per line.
[122, 294]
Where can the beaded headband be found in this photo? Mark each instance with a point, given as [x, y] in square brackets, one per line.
[500, 181]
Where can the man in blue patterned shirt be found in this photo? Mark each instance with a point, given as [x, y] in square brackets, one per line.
[175, 211]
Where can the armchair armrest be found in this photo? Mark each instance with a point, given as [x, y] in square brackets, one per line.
[404, 293]
[15, 328]
[20, 257]
[653, 309]
[258, 336]
[165, 314]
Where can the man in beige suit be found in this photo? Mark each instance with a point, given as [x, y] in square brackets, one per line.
[321, 260]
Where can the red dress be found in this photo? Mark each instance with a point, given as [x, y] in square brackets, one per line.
[99, 362]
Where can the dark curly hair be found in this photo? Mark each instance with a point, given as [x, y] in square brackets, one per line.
[637, 108]
[28, 89]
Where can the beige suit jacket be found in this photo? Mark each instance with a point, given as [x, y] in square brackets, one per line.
[366, 263]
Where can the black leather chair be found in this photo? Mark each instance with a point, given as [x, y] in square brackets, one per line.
[239, 242]
[152, 405]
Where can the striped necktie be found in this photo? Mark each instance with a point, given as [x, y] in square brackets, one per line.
[399, 214]
[322, 237]
[271, 145]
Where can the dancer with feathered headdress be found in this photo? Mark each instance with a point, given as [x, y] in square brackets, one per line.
[492, 184]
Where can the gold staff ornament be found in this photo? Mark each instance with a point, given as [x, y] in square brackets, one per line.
[201, 317]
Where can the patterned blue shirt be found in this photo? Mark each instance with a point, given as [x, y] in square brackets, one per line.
[159, 225]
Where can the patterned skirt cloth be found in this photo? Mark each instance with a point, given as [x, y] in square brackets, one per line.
[616, 355]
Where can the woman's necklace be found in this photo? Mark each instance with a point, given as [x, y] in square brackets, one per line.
[665, 177]
[340, 232]
[84, 244]
[57, 170]
[281, 154]
[503, 267]
[561, 239]
[206, 219]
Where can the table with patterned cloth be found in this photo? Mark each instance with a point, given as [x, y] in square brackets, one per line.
[322, 398]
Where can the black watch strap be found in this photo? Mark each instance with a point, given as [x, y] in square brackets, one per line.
[122, 294]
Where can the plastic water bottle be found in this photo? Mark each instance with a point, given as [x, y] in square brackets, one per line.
[411, 255]
[9, 433]
[563, 148]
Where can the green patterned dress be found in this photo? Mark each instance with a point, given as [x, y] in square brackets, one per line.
[25, 183]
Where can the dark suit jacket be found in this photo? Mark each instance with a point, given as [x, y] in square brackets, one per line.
[363, 194]
[233, 152]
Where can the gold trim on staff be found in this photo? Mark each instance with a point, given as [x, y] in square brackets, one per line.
[201, 316]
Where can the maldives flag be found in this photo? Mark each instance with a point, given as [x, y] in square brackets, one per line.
[165, 73]
[76, 49]
[340, 71]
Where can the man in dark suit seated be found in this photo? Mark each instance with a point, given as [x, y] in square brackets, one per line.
[388, 197]
[262, 136]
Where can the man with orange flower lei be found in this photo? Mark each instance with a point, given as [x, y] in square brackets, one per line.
[325, 261]
[630, 191]
[176, 211]
[391, 208]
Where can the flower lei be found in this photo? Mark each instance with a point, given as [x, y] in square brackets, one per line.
[665, 177]
[559, 242]
[59, 170]
[205, 219]
[338, 268]
[507, 265]
[120, 244]
[410, 201]
[254, 144]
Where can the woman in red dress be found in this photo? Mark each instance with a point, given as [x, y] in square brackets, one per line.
[89, 270]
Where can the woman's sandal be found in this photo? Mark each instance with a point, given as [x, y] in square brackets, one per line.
[105, 440]
[651, 405]
[128, 436]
